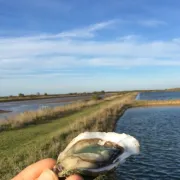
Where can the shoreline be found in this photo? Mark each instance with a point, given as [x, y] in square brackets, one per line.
[29, 98]
[145, 104]
[38, 98]
[154, 103]
[4, 111]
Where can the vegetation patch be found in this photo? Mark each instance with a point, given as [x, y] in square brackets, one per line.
[44, 115]
[142, 103]
[3, 111]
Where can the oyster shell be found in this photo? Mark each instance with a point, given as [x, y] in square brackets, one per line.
[94, 153]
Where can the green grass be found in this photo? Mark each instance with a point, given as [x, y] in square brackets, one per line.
[12, 141]
[16, 145]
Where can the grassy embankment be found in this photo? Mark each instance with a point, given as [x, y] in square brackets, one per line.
[43, 115]
[46, 115]
[21, 147]
[142, 103]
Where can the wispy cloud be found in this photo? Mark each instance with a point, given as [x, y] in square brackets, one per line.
[134, 62]
[152, 23]
[74, 54]
[21, 50]
[83, 32]
[43, 75]
[62, 50]
[130, 37]
[86, 32]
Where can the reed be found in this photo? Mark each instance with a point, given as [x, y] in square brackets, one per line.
[43, 115]
[141, 103]
[46, 115]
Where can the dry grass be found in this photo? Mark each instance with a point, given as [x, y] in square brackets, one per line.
[47, 114]
[102, 119]
[141, 103]
[43, 115]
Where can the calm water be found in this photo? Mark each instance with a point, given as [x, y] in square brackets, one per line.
[158, 130]
[158, 95]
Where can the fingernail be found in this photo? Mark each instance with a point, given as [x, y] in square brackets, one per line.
[47, 175]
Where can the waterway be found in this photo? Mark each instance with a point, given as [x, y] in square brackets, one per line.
[158, 96]
[158, 131]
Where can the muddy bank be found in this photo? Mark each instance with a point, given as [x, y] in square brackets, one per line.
[3, 111]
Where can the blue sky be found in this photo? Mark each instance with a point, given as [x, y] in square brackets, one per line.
[62, 46]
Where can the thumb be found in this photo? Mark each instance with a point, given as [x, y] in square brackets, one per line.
[47, 175]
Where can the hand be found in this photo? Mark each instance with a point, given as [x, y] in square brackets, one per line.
[42, 171]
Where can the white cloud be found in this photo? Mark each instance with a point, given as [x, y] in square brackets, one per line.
[134, 62]
[87, 32]
[152, 23]
[83, 32]
[130, 37]
[176, 40]
[40, 63]
[55, 51]
[14, 50]
[43, 75]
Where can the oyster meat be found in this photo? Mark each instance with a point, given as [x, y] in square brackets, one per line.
[95, 153]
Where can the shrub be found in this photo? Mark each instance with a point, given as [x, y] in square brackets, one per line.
[21, 95]
[96, 97]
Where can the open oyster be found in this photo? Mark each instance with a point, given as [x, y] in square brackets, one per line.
[95, 153]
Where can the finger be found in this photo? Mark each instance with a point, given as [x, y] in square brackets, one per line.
[48, 175]
[33, 171]
[74, 177]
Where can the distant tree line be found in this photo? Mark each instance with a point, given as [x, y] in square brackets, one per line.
[31, 95]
